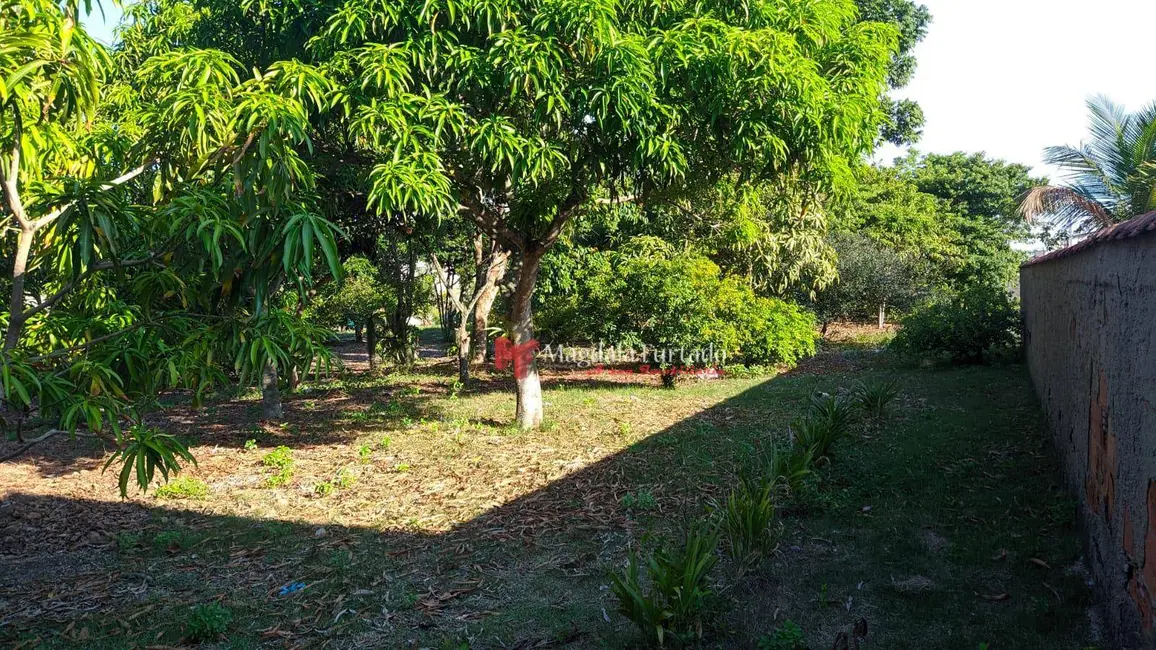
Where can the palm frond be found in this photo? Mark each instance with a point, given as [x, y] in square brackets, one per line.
[1073, 209]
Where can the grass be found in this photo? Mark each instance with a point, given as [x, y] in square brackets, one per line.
[459, 528]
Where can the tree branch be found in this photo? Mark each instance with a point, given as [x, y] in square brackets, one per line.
[12, 177]
[72, 284]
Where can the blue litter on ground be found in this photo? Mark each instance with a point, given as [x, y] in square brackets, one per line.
[292, 588]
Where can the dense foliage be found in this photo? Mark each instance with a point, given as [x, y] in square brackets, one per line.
[650, 294]
[967, 327]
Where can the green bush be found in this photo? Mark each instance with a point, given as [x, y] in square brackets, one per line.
[874, 397]
[183, 488]
[206, 623]
[787, 636]
[673, 609]
[648, 293]
[968, 327]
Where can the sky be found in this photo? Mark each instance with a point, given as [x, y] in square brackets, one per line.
[1010, 77]
[1007, 77]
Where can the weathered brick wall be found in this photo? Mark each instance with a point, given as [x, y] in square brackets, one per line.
[1090, 332]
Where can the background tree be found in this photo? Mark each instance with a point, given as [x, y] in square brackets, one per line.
[873, 278]
[1109, 179]
[905, 119]
[530, 108]
[155, 210]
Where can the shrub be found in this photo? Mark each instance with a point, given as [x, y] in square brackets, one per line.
[673, 608]
[965, 328]
[183, 488]
[648, 293]
[787, 636]
[874, 397]
[207, 622]
[837, 412]
[746, 520]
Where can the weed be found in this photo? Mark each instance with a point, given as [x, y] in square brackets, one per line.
[747, 519]
[184, 487]
[250, 445]
[280, 459]
[206, 623]
[790, 466]
[815, 436]
[874, 397]
[402, 467]
[364, 452]
[323, 489]
[835, 411]
[127, 541]
[787, 636]
[385, 442]
[455, 389]
[673, 608]
[641, 500]
[623, 428]
[345, 479]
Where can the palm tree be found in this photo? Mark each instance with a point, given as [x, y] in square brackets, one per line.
[1110, 179]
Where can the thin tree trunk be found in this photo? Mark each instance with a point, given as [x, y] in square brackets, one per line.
[16, 303]
[371, 342]
[882, 315]
[529, 409]
[357, 333]
[271, 393]
[463, 341]
[489, 294]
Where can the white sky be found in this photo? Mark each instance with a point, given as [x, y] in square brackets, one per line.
[1008, 77]
[1011, 77]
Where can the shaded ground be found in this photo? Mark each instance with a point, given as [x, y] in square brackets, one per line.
[942, 526]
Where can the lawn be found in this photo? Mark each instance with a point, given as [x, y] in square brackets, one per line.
[407, 513]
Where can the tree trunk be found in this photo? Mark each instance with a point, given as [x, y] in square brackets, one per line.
[16, 302]
[371, 342]
[357, 333]
[463, 341]
[270, 393]
[882, 315]
[529, 411]
[489, 293]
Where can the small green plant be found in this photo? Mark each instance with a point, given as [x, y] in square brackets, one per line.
[281, 460]
[874, 397]
[323, 489]
[127, 541]
[787, 636]
[624, 428]
[183, 488]
[835, 411]
[641, 500]
[250, 445]
[170, 540]
[208, 622]
[147, 449]
[345, 479]
[385, 442]
[747, 521]
[814, 436]
[455, 389]
[364, 452]
[673, 608]
[402, 467]
[790, 466]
